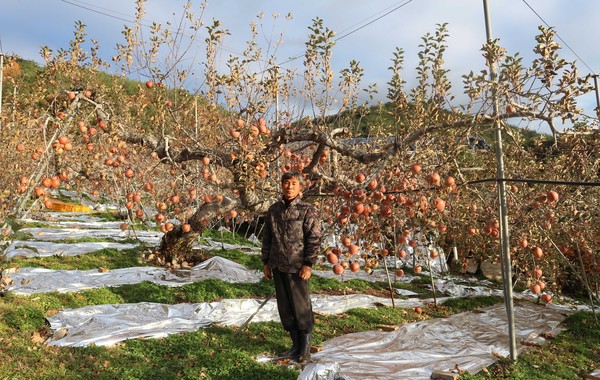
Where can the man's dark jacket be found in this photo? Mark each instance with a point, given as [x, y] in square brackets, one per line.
[291, 236]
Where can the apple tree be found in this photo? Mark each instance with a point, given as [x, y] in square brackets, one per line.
[191, 143]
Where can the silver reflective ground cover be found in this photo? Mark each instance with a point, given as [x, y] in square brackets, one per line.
[67, 222]
[418, 255]
[467, 341]
[28, 248]
[81, 222]
[376, 275]
[449, 287]
[44, 244]
[59, 216]
[40, 280]
[214, 245]
[105, 325]
[53, 234]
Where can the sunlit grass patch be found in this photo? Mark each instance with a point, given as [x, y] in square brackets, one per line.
[108, 258]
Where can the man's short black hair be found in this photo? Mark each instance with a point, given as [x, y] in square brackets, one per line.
[292, 174]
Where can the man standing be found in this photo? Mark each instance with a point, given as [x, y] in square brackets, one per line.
[290, 245]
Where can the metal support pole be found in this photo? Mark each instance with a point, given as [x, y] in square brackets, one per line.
[597, 95]
[503, 212]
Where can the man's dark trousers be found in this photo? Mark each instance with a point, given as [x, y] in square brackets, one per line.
[293, 301]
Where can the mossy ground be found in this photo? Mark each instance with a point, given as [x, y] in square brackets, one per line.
[217, 352]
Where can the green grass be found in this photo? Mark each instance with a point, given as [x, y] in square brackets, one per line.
[249, 261]
[27, 314]
[201, 291]
[25, 236]
[16, 225]
[20, 235]
[335, 286]
[217, 352]
[227, 237]
[109, 258]
[213, 353]
[470, 303]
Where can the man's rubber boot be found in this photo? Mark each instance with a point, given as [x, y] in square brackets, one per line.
[305, 344]
[294, 351]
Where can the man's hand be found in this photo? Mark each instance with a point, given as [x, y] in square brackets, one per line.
[305, 272]
[267, 272]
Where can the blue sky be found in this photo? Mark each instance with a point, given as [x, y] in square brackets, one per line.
[25, 25]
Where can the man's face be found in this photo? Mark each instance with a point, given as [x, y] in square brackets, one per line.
[291, 188]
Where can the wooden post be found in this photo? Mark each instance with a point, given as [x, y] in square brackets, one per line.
[503, 211]
[595, 88]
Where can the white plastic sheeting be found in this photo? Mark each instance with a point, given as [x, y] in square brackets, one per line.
[378, 275]
[77, 225]
[450, 288]
[469, 341]
[39, 248]
[57, 216]
[82, 222]
[85, 199]
[418, 255]
[105, 325]
[29, 248]
[406, 292]
[40, 280]
[215, 267]
[53, 234]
